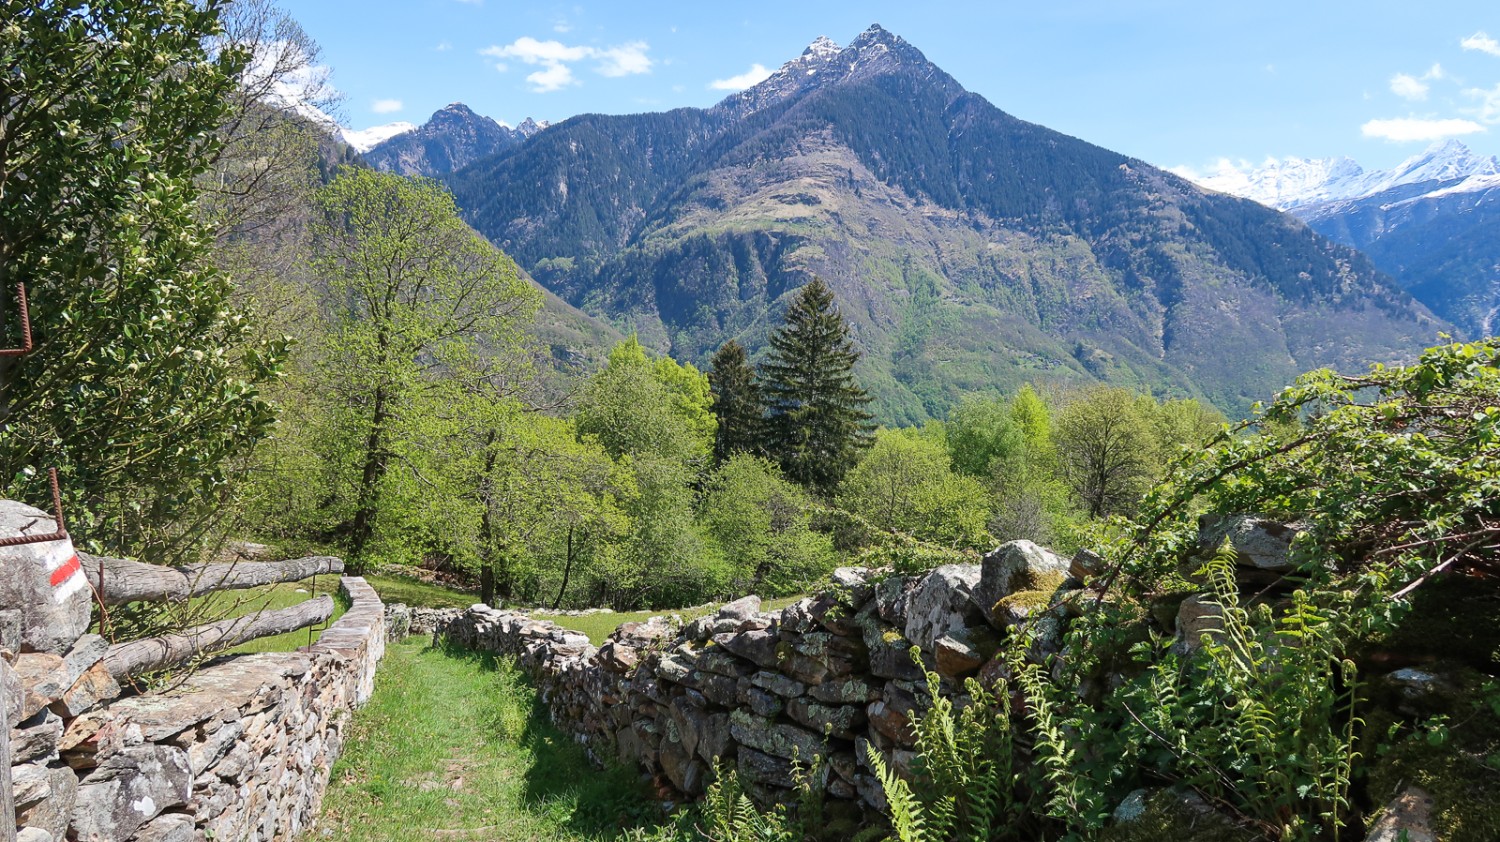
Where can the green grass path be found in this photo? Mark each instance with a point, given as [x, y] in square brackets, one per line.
[455, 746]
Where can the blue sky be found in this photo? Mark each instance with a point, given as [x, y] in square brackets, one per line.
[1174, 83]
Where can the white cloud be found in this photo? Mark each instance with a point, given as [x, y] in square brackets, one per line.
[555, 59]
[553, 77]
[1488, 109]
[1435, 72]
[1409, 129]
[625, 60]
[754, 76]
[386, 106]
[532, 51]
[1481, 42]
[1408, 87]
[562, 27]
[443, 47]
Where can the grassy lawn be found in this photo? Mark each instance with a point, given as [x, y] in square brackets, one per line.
[227, 604]
[599, 626]
[454, 745]
[393, 589]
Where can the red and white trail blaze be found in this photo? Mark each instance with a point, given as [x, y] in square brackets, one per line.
[65, 572]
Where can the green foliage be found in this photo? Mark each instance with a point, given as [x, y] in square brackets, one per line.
[412, 291]
[144, 387]
[966, 773]
[639, 405]
[737, 403]
[1105, 446]
[982, 435]
[904, 484]
[817, 424]
[1264, 721]
[762, 524]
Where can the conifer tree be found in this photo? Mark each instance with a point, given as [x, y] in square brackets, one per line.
[817, 423]
[737, 403]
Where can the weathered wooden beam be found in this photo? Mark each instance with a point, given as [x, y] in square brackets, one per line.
[206, 578]
[124, 660]
[7, 797]
[120, 580]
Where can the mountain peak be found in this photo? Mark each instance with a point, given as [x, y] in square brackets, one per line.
[874, 52]
[821, 47]
[876, 34]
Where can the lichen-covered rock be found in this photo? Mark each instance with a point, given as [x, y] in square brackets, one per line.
[829, 720]
[129, 789]
[1157, 815]
[755, 645]
[1407, 818]
[941, 603]
[1198, 615]
[777, 738]
[1016, 566]
[1260, 544]
[51, 811]
[741, 609]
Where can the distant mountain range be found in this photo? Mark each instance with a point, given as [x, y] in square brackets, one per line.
[451, 139]
[1432, 223]
[969, 249]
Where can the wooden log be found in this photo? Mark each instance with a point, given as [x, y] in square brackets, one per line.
[120, 580]
[206, 578]
[124, 660]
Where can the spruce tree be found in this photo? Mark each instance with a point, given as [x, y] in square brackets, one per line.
[817, 423]
[737, 403]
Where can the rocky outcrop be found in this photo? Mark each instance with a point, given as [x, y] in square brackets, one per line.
[240, 749]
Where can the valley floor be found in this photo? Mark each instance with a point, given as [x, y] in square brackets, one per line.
[454, 746]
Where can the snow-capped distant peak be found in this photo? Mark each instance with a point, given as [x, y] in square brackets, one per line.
[363, 140]
[1296, 182]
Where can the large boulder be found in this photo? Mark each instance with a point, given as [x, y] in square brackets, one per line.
[44, 597]
[942, 602]
[1261, 546]
[1013, 567]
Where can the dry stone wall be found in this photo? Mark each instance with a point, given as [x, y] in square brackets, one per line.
[759, 691]
[240, 750]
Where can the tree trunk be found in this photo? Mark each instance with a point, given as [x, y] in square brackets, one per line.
[124, 660]
[486, 522]
[363, 525]
[567, 571]
[487, 584]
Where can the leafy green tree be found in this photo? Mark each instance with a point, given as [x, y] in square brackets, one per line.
[144, 384]
[1106, 447]
[411, 291]
[737, 403]
[639, 405]
[762, 523]
[981, 434]
[1032, 501]
[905, 484]
[817, 424]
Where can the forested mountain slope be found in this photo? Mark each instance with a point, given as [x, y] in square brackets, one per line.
[969, 249]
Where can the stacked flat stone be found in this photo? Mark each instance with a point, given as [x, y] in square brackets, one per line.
[239, 750]
[765, 692]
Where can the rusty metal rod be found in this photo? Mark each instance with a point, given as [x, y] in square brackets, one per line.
[25, 326]
[60, 535]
